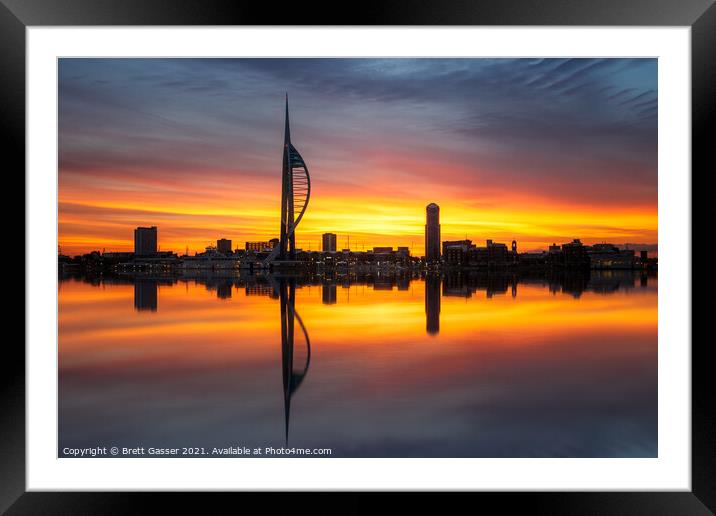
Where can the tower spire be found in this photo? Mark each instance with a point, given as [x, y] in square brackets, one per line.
[287, 134]
[295, 193]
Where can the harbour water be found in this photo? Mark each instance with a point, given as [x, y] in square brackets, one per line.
[377, 365]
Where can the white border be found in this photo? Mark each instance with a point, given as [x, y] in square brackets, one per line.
[671, 471]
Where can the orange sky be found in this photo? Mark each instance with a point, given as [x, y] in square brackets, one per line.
[537, 150]
[91, 219]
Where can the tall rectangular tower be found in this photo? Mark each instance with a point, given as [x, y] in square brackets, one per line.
[329, 242]
[432, 232]
[145, 241]
[223, 245]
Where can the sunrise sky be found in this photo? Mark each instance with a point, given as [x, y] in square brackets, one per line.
[539, 150]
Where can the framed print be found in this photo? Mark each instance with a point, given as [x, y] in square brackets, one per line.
[436, 250]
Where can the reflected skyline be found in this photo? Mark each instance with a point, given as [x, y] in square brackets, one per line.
[585, 347]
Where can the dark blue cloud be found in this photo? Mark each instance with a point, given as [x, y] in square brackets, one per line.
[542, 121]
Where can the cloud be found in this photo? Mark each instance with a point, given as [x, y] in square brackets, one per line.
[577, 130]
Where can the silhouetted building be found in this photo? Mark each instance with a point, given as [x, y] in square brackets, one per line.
[536, 259]
[382, 250]
[608, 256]
[462, 244]
[455, 252]
[145, 295]
[223, 246]
[432, 232]
[497, 253]
[465, 253]
[329, 242]
[432, 304]
[574, 254]
[257, 247]
[273, 242]
[117, 256]
[145, 241]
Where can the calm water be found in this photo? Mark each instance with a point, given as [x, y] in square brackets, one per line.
[478, 366]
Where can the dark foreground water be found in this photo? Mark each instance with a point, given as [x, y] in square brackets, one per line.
[371, 366]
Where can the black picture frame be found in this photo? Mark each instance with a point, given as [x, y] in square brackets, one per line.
[16, 15]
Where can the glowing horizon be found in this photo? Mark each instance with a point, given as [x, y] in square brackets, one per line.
[539, 151]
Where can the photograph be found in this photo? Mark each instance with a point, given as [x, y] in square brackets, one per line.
[357, 257]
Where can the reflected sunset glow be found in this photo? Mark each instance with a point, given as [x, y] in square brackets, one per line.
[210, 363]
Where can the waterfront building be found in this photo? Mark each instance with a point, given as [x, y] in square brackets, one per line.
[609, 256]
[574, 254]
[432, 232]
[329, 242]
[223, 246]
[455, 252]
[461, 244]
[258, 247]
[491, 255]
[145, 241]
[117, 256]
[465, 253]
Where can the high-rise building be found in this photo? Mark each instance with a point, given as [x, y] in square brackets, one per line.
[432, 232]
[145, 241]
[223, 246]
[329, 242]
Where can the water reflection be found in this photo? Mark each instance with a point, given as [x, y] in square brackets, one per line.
[145, 294]
[455, 284]
[402, 365]
[432, 304]
[292, 377]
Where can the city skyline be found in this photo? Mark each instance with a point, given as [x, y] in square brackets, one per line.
[144, 143]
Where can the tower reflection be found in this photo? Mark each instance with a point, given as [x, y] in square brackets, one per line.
[291, 355]
[145, 295]
[432, 303]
